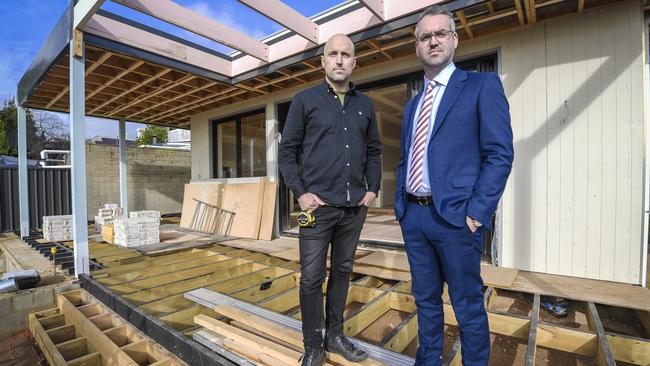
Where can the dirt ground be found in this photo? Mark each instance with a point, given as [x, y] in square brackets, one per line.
[21, 350]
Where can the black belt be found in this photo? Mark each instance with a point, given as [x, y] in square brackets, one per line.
[420, 200]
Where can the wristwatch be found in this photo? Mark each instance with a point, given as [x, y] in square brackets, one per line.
[475, 222]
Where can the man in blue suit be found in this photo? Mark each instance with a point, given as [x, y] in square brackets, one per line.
[456, 155]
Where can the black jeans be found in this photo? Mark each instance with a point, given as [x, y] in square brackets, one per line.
[340, 226]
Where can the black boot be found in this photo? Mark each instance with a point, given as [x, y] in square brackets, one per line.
[314, 356]
[337, 343]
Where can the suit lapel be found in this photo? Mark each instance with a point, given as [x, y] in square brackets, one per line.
[456, 83]
[410, 110]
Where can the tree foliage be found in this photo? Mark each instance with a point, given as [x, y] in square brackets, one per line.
[148, 134]
[44, 131]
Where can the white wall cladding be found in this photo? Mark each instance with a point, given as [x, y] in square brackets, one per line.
[574, 201]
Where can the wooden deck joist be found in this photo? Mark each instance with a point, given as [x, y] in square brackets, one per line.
[272, 284]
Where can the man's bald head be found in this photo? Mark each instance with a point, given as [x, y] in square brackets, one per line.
[338, 61]
[339, 40]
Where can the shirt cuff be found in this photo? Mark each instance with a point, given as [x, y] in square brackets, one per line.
[374, 189]
[299, 191]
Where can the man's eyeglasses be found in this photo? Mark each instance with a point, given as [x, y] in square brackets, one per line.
[441, 36]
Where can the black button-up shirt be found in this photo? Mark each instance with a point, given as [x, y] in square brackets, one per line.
[329, 149]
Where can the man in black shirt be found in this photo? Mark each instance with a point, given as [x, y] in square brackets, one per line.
[330, 157]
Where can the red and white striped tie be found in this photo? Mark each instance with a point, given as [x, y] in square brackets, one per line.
[420, 140]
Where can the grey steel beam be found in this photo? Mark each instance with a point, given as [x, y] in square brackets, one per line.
[124, 189]
[55, 44]
[78, 163]
[531, 350]
[23, 189]
[604, 354]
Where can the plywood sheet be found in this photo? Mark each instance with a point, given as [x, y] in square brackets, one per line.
[268, 211]
[244, 199]
[396, 266]
[294, 254]
[596, 291]
[206, 192]
[391, 260]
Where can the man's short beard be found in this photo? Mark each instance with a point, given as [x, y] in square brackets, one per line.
[338, 77]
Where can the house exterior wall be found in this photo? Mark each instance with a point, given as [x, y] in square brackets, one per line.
[574, 201]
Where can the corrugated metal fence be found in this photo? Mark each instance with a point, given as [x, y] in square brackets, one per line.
[49, 194]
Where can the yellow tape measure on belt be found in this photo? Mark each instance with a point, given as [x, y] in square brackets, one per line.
[306, 219]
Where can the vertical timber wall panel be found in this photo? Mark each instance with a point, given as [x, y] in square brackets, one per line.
[573, 204]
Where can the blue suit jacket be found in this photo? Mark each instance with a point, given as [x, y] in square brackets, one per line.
[470, 153]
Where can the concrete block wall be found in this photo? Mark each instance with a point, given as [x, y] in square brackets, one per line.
[16, 306]
[156, 178]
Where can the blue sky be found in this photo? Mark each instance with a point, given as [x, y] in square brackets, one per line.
[26, 24]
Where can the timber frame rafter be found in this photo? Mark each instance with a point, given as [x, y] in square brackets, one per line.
[140, 74]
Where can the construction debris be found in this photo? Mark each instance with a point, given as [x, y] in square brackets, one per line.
[19, 280]
[58, 228]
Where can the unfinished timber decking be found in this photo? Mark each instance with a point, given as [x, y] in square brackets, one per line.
[151, 290]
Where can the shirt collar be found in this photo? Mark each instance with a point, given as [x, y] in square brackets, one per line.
[352, 88]
[443, 76]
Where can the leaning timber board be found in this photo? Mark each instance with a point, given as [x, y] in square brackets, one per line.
[244, 199]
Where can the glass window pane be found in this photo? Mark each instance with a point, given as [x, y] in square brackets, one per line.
[227, 155]
[253, 145]
[388, 103]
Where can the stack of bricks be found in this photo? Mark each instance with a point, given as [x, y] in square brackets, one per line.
[141, 228]
[152, 214]
[58, 228]
[105, 216]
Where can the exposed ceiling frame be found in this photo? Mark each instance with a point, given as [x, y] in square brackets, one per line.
[84, 10]
[131, 90]
[89, 70]
[200, 24]
[114, 30]
[282, 13]
[376, 7]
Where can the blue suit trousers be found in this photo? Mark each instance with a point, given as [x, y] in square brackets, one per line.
[439, 252]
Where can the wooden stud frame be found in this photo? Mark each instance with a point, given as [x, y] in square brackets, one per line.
[273, 283]
[83, 331]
